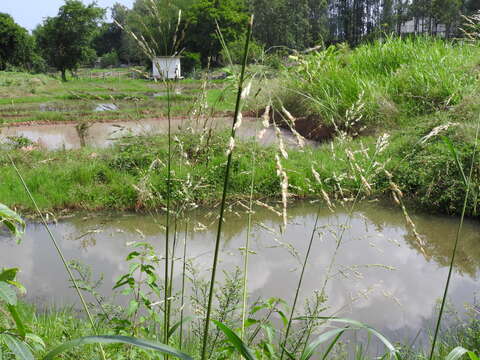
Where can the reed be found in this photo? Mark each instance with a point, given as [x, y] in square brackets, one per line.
[60, 254]
[236, 119]
[467, 181]
[247, 248]
[182, 295]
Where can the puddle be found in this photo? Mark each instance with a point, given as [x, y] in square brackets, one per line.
[52, 107]
[105, 107]
[164, 93]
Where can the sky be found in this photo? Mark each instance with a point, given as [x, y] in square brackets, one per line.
[30, 13]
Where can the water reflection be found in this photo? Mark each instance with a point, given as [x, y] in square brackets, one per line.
[380, 276]
[104, 134]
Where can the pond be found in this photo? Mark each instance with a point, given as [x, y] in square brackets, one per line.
[104, 134]
[380, 276]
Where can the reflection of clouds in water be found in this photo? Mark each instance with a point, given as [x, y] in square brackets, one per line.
[394, 300]
[102, 135]
[47, 136]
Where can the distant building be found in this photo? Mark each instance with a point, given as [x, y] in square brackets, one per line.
[167, 67]
[423, 26]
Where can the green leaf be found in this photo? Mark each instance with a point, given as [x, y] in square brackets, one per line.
[186, 319]
[310, 349]
[7, 213]
[8, 274]
[132, 255]
[7, 294]
[133, 307]
[289, 354]
[357, 325]
[17, 347]
[18, 321]
[283, 317]
[36, 340]
[12, 220]
[371, 330]
[144, 344]
[331, 346]
[251, 322]
[241, 347]
[452, 149]
[459, 352]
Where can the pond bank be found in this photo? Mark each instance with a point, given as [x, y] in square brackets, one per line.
[120, 176]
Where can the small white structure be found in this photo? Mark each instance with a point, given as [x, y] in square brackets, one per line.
[167, 67]
[423, 26]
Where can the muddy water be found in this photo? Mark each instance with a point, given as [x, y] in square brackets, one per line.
[380, 275]
[65, 136]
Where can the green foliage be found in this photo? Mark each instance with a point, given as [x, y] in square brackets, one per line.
[191, 62]
[12, 221]
[203, 17]
[378, 83]
[65, 40]
[296, 24]
[109, 60]
[16, 45]
[144, 265]
[14, 334]
[234, 52]
[117, 340]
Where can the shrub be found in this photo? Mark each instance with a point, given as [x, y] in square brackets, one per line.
[110, 60]
[191, 62]
[236, 50]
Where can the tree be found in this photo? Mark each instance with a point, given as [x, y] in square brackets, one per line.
[446, 12]
[16, 45]
[202, 17]
[66, 39]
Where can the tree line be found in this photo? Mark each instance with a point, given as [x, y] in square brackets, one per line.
[80, 35]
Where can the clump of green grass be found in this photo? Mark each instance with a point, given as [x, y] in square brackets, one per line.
[380, 83]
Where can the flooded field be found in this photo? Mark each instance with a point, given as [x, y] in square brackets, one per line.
[379, 275]
[103, 134]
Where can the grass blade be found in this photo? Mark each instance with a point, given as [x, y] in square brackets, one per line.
[299, 285]
[310, 349]
[237, 343]
[459, 352]
[452, 149]
[144, 344]
[332, 344]
[178, 324]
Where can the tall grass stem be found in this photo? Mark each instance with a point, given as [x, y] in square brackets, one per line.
[225, 191]
[455, 246]
[299, 284]
[247, 248]
[182, 304]
[60, 253]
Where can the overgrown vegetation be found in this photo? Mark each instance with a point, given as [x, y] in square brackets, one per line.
[434, 163]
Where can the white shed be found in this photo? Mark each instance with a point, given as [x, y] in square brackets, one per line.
[166, 67]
